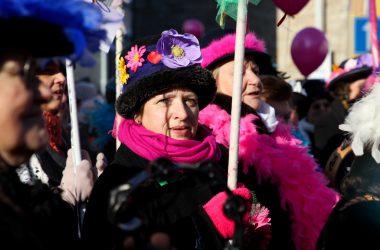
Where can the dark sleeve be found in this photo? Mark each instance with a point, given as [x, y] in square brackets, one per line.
[356, 227]
[98, 232]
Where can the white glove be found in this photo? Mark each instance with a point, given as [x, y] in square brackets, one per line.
[77, 187]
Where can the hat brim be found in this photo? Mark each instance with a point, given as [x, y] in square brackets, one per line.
[37, 38]
[262, 59]
[195, 78]
[350, 76]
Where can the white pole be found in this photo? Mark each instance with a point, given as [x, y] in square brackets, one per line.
[75, 142]
[103, 72]
[119, 49]
[241, 24]
[320, 14]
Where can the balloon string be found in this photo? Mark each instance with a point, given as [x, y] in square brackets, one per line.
[281, 20]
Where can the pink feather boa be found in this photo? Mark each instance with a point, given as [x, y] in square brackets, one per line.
[281, 160]
[226, 45]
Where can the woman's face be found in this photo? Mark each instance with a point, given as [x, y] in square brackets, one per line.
[252, 87]
[355, 89]
[53, 78]
[173, 113]
[22, 127]
[317, 109]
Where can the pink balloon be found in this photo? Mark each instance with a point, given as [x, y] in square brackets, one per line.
[193, 26]
[309, 49]
[291, 7]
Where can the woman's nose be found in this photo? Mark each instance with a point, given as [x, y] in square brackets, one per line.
[250, 79]
[59, 78]
[180, 110]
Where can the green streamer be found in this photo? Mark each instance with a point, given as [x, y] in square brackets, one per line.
[229, 7]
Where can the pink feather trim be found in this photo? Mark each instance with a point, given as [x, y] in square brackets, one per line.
[226, 45]
[288, 166]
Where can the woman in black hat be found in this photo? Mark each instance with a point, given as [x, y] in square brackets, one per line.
[164, 88]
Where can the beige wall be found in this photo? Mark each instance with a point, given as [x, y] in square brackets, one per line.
[339, 16]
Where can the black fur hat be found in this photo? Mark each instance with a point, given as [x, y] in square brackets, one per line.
[152, 77]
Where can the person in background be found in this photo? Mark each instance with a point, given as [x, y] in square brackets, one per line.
[272, 163]
[318, 102]
[346, 85]
[277, 93]
[32, 216]
[101, 122]
[354, 224]
[49, 165]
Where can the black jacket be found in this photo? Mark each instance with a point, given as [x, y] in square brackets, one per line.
[327, 135]
[355, 222]
[32, 216]
[174, 208]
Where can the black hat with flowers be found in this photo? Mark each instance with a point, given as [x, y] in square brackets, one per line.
[157, 64]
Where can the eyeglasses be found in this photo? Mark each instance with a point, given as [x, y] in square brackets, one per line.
[27, 71]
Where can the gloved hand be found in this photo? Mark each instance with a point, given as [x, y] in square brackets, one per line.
[214, 209]
[77, 187]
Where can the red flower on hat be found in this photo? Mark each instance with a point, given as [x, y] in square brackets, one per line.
[134, 57]
[154, 57]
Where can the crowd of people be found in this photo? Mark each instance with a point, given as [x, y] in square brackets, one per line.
[308, 160]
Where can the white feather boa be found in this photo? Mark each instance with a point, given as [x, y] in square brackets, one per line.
[362, 124]
[280, 159]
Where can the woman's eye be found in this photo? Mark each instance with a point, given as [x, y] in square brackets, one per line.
[256, 71]
[164, 101]
[192, 102]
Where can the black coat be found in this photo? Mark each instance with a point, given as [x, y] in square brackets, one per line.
[33, 217]
[174, 208]
[327, 135]
[355, 222]
[266, 193]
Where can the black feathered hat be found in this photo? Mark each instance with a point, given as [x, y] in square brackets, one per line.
[156, 65]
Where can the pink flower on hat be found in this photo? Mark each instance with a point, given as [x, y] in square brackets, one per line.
[134, 57]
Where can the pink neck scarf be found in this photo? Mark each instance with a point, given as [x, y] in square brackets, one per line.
[151, 146]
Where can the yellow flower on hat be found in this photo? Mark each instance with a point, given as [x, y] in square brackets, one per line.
[123, 75]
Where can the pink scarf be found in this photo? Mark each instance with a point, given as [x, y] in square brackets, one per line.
[151, 146]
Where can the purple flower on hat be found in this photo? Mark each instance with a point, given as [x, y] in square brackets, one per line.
[178, 50]
[365, 60]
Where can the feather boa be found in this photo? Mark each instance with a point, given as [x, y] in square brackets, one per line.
[280, 159]
[362, 124]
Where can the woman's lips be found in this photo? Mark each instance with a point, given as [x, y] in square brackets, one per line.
[180, 130]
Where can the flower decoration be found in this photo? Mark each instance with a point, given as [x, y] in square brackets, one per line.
[259, 216]
[178, 50]
[134, 57]
[154, 57]
[122, 68]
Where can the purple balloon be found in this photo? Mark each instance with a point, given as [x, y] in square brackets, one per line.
[193, 26]
[291, 7]
[309, 49]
